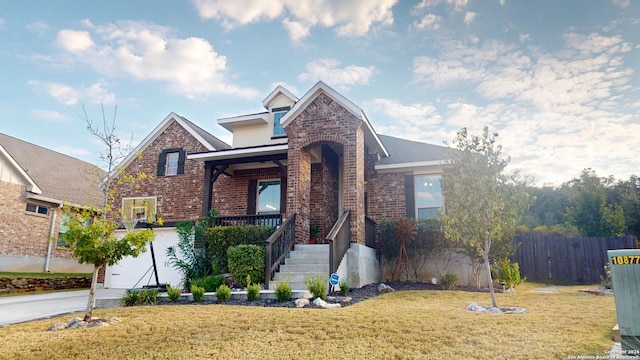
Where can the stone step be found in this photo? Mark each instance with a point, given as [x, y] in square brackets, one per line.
[305, 261]
[297, 277]
[309, 255]
[322, 268]
[616, 333]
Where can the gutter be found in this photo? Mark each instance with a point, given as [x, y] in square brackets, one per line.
[52, 228]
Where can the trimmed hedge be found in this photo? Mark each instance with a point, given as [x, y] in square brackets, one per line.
[246, 260]
[429, 238]
[220, 239]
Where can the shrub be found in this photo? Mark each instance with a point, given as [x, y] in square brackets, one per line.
[246, 260]
[283, 291]
[223, 293]
[344, 287]
[428, 238]
[209, 283]
[509, 273]
[253, 290]
[317, 285]
[130, 298]
[149, 296]
[448, 280]
[173, 293]
[197, 292]
[221, 238]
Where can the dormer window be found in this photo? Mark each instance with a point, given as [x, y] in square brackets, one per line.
[278, 113]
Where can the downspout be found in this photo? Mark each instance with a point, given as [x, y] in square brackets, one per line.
[52, 228]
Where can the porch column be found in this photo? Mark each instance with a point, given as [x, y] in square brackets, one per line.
[353, 185]
[298, 190]
[207, 189]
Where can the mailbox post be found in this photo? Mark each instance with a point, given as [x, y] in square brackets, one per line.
[625, 276]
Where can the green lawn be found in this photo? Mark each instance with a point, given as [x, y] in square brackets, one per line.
[411, 324]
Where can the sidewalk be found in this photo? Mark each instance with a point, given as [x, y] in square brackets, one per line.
[17, 309]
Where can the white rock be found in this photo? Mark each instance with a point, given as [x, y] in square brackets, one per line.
[302, 303]
[325, 305]
[384, 288]
[494, 310]
[510, 291]
[475, 307]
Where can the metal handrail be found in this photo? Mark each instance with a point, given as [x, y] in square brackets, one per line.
[339, 239]
[278, 246]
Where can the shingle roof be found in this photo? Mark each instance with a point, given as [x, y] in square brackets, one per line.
[214, 141]
[403, 151]
[61, 177]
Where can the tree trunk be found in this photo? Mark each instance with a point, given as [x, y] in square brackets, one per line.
[487, 269]
[92, 294]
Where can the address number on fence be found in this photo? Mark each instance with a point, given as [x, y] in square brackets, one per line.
[625, 260]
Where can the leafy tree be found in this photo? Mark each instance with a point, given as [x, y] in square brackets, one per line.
[483, 206]
[628, 195]
[91, 231]
[589, 209]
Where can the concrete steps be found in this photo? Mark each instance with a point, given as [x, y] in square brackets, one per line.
[303, 261]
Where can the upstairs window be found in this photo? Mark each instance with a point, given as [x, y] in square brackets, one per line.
[171, 162]
[38, 209]
[428, 196]
[278, 113]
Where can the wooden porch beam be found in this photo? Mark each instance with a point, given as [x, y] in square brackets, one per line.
[211, 174]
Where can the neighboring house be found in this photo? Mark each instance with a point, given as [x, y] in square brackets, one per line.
[34, 184]
[314, 157]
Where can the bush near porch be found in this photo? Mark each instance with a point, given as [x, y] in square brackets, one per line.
[220, 239]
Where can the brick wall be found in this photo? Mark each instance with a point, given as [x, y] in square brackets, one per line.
[230, 194]
[324, 121]
[179, 196]
[324, 193]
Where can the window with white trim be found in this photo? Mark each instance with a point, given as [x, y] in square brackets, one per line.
[268, 196]
[139, 208]
[428, 196]
[38, 209]
[171, 166]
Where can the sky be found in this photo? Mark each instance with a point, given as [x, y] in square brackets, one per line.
[558, 80]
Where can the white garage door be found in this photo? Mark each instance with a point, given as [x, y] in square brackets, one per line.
[131, 271]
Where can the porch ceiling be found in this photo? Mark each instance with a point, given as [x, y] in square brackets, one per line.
[243, 155]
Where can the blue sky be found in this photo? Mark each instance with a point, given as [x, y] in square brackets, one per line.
[558, 80]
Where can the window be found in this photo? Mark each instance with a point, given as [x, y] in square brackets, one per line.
[171, 162]
[278, 113]
[268, 196]
[62, 243]
[171, 167]
[138, 208]
[428, 196]
[38, 209]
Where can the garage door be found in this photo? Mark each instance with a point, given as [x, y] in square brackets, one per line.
[131, 271]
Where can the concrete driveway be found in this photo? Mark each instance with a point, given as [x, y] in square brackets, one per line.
[17, 309]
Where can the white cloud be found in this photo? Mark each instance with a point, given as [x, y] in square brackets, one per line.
[328, 70]
[524, 37]
[621, 3]
[502, 2]
[292, 88]
[50, 116]
[74, 41]
[469, 16]
[429, 21]
[458, 5]
[346, 18]
[406, 121]
[37, 27]
[2, 21]
[68, 95]
[189, 66]
[544, 104]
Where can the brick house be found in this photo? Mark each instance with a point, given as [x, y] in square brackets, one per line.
[303, 164]
[34, 184]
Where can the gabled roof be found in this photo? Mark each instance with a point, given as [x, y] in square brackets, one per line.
[55, 177]
[407, 153]
[250, 119]
[210, 142]
[278, 90]
[371, 138]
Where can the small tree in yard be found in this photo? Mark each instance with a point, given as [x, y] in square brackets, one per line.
[91, 231]
[482, 204]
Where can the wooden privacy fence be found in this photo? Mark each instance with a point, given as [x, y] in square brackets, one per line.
[564, 260]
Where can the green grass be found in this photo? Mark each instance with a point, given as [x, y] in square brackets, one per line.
[400, 325]
[43, 275]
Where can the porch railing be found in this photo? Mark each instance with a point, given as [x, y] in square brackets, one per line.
[369, 232]
[339, 239]
[279, 244]
[271, 220]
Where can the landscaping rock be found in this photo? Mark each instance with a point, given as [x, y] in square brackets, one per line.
[300, 303]
[494, 310]
[510, 291]
[384, 288]
[78, 323]
[325, 305]
[339, 299]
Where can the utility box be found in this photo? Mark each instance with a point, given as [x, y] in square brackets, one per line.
[625, 276]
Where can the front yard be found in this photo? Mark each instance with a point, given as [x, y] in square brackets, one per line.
[407, 324]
